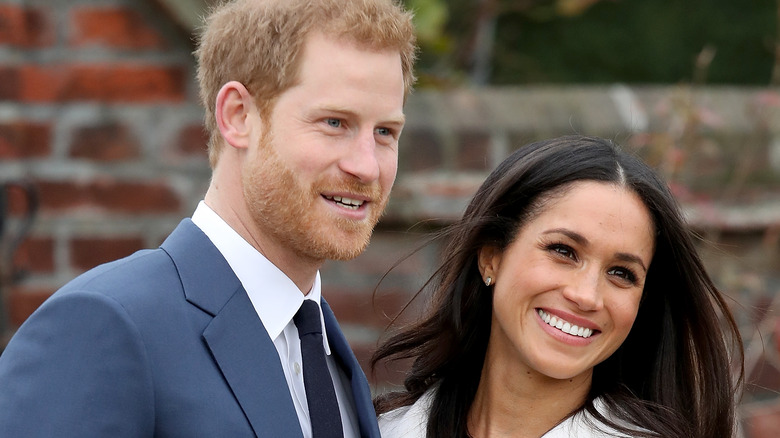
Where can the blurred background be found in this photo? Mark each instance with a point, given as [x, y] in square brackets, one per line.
[102, 149]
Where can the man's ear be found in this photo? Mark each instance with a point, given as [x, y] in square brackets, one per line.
[233, 110]
[489, 260]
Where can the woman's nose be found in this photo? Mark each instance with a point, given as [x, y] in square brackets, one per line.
[584, 291]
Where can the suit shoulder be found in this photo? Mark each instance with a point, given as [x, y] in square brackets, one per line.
[143, 259]
[132, 275]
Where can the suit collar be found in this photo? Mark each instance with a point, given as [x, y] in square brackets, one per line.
[206, 277]
[251, 366]
[275, 296]
[241, 347]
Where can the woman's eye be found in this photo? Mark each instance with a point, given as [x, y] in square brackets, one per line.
[624, 274]
[563, 250]
[333, 123]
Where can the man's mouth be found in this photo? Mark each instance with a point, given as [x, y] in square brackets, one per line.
[352, 204]
[564, 326]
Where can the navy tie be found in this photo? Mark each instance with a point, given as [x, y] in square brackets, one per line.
[320, 395]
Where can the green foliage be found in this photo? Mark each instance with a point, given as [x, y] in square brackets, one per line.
[592, 41]
[430, 17]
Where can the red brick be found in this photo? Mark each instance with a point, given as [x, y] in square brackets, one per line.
[24, 139]
[131, 197]
[118, 27]
[365, 308]
[35, 255]
[23, 301]
[193, 140]
[40, 84]
[474, 151]
[20, 196]
[10, 83]
[421, 150]
[120, 83]
[56, 196]
[109, 195]
[25, 27]
[88, 253]
[108, 142]
[129, 83]
[392, 250]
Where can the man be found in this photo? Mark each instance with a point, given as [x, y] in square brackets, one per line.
[200, 338]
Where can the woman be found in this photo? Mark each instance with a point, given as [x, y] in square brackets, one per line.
[571, 302]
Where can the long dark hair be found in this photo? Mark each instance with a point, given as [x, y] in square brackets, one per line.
[671, 377]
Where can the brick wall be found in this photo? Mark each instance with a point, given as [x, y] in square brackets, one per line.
[98, 111]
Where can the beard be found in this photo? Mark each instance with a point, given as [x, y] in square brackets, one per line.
[284, 208]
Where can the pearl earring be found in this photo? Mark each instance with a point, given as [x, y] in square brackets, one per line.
[488, 281]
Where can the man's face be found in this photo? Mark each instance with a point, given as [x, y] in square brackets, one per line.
[319, 177]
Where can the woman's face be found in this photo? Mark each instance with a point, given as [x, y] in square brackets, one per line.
[567, 289]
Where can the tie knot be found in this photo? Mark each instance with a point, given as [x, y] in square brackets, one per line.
[308, 319]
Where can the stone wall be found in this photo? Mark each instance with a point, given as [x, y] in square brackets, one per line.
[98, 112]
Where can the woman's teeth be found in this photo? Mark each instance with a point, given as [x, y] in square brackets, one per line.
[566, 327]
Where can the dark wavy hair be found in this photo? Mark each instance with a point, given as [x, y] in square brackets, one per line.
[679, 370]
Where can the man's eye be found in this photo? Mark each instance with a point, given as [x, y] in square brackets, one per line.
[383, 131]
[334, 123]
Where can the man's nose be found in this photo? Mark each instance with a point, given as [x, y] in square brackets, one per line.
[360, 158]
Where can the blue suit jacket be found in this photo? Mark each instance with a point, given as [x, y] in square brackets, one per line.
[164, 343]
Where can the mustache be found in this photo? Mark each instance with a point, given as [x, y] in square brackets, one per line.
[372, 192]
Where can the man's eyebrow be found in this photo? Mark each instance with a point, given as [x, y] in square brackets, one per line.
[399, 119]
[582, 240]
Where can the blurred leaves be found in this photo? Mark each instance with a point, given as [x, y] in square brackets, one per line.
[430, 19]
[570, 8]
[509, 42]
[457, 37]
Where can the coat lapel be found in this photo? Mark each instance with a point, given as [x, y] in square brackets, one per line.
[251, 366]
[360, 389]
[239, 343]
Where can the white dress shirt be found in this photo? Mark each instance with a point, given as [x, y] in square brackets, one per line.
[276, 300]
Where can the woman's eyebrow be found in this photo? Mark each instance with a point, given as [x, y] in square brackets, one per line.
[582, 240]
[631, 258]
[573, 235]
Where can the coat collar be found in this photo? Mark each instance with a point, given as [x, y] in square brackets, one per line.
[242, 349]
[241, 346]
[206, 276]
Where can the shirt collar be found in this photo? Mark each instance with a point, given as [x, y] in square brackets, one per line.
[273, 294]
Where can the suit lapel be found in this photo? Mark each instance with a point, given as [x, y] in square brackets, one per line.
[238, 342]
[251, 366]
[360, 389]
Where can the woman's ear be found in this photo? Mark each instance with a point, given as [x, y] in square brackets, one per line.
[233, 110]
[489, 259]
